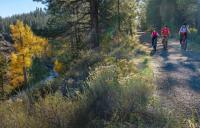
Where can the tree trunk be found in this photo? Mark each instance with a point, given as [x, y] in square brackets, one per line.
[24, 71]
[118, 14]
[24, 65]
[2, 82]
[94, 23]
[131, 29]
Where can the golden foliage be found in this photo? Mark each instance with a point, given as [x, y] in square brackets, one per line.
[58, 66]
[27, 46]
[49, 51]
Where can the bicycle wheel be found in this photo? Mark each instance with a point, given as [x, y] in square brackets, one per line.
[164, 42]
[154, 44]
[183, 43]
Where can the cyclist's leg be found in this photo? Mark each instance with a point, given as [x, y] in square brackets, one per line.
[163, 41]
[181, 38]
[181, 41]
[155, 44]
[185, 44]
[166, 42]
[152, 41]
[186, 41]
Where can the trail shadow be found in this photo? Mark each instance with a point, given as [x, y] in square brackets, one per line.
[190, 66]
[175, 63]
[169, 67]
[194, 83]
[164, 54]
[167, 83]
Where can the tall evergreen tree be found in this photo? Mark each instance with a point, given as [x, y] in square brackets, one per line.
[88, 18]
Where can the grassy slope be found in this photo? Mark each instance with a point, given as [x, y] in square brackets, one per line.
[130, 92]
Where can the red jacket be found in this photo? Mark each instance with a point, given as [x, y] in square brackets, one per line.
[165, 31]
[154, 34]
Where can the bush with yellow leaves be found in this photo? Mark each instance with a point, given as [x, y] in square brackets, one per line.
[58, 66]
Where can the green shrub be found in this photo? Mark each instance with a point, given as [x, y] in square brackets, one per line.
[38, 71]
[193, 34]
[109, 102]
[105, 91]
[114, 99]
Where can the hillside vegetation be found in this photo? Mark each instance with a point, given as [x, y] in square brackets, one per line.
[80, 64]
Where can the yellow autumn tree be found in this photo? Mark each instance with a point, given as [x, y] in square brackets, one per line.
[27, 46]
[58, 66]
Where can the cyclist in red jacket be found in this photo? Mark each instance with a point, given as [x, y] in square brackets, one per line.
[154, 37]
[165, 32]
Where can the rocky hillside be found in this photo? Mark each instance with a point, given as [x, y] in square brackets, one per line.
[5, 47]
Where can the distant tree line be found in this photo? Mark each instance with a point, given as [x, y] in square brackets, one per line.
[37, 20]
[172, 13]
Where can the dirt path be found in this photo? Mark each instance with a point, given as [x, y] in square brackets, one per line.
[177, 74]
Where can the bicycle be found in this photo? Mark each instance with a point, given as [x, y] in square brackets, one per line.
[154, 44]
[164, 42]
[184, 43]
